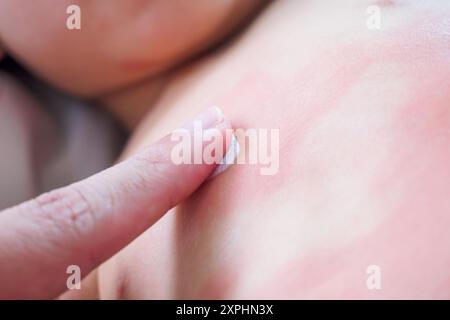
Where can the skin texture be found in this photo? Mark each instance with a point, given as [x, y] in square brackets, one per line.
[87, 222]
[156, 37]
[364, 151]
[120, 42]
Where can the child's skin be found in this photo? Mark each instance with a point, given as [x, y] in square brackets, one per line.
[120, 42]
[364, 178]
[364, 151]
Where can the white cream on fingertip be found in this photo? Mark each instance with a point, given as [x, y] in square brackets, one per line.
[230, 157]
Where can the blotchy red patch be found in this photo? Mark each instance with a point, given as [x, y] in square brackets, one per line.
[411, 245]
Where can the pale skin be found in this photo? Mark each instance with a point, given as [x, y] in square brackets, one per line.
[364, 151]
[120, 42]
[364, 176]
[87, 222]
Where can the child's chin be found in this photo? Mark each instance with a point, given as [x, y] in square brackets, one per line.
[117, 44]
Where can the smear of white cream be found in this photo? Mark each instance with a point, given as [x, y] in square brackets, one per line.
[228, 160]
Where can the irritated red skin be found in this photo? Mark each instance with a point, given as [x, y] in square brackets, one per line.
[364, 176]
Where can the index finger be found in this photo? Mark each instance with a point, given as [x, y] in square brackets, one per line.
[87, 222]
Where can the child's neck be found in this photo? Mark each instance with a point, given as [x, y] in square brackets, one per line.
[130, 105]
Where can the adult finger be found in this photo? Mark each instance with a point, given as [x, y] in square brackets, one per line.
[87, 222]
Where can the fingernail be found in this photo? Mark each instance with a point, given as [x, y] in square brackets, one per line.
[229, 159]
[209, 118]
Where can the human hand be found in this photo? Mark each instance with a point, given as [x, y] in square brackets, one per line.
[85, 223]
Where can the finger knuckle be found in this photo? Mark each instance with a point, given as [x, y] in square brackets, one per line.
[67, 210]
[152, 169]
[152, 160]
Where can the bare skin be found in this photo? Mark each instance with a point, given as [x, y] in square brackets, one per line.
[364, 152]
[120, 45]
[120, 42]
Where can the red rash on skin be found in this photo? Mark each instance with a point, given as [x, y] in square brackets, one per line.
[195, 216]
[404, 244]
[264, 91]
[215, 243]
[402, 255]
